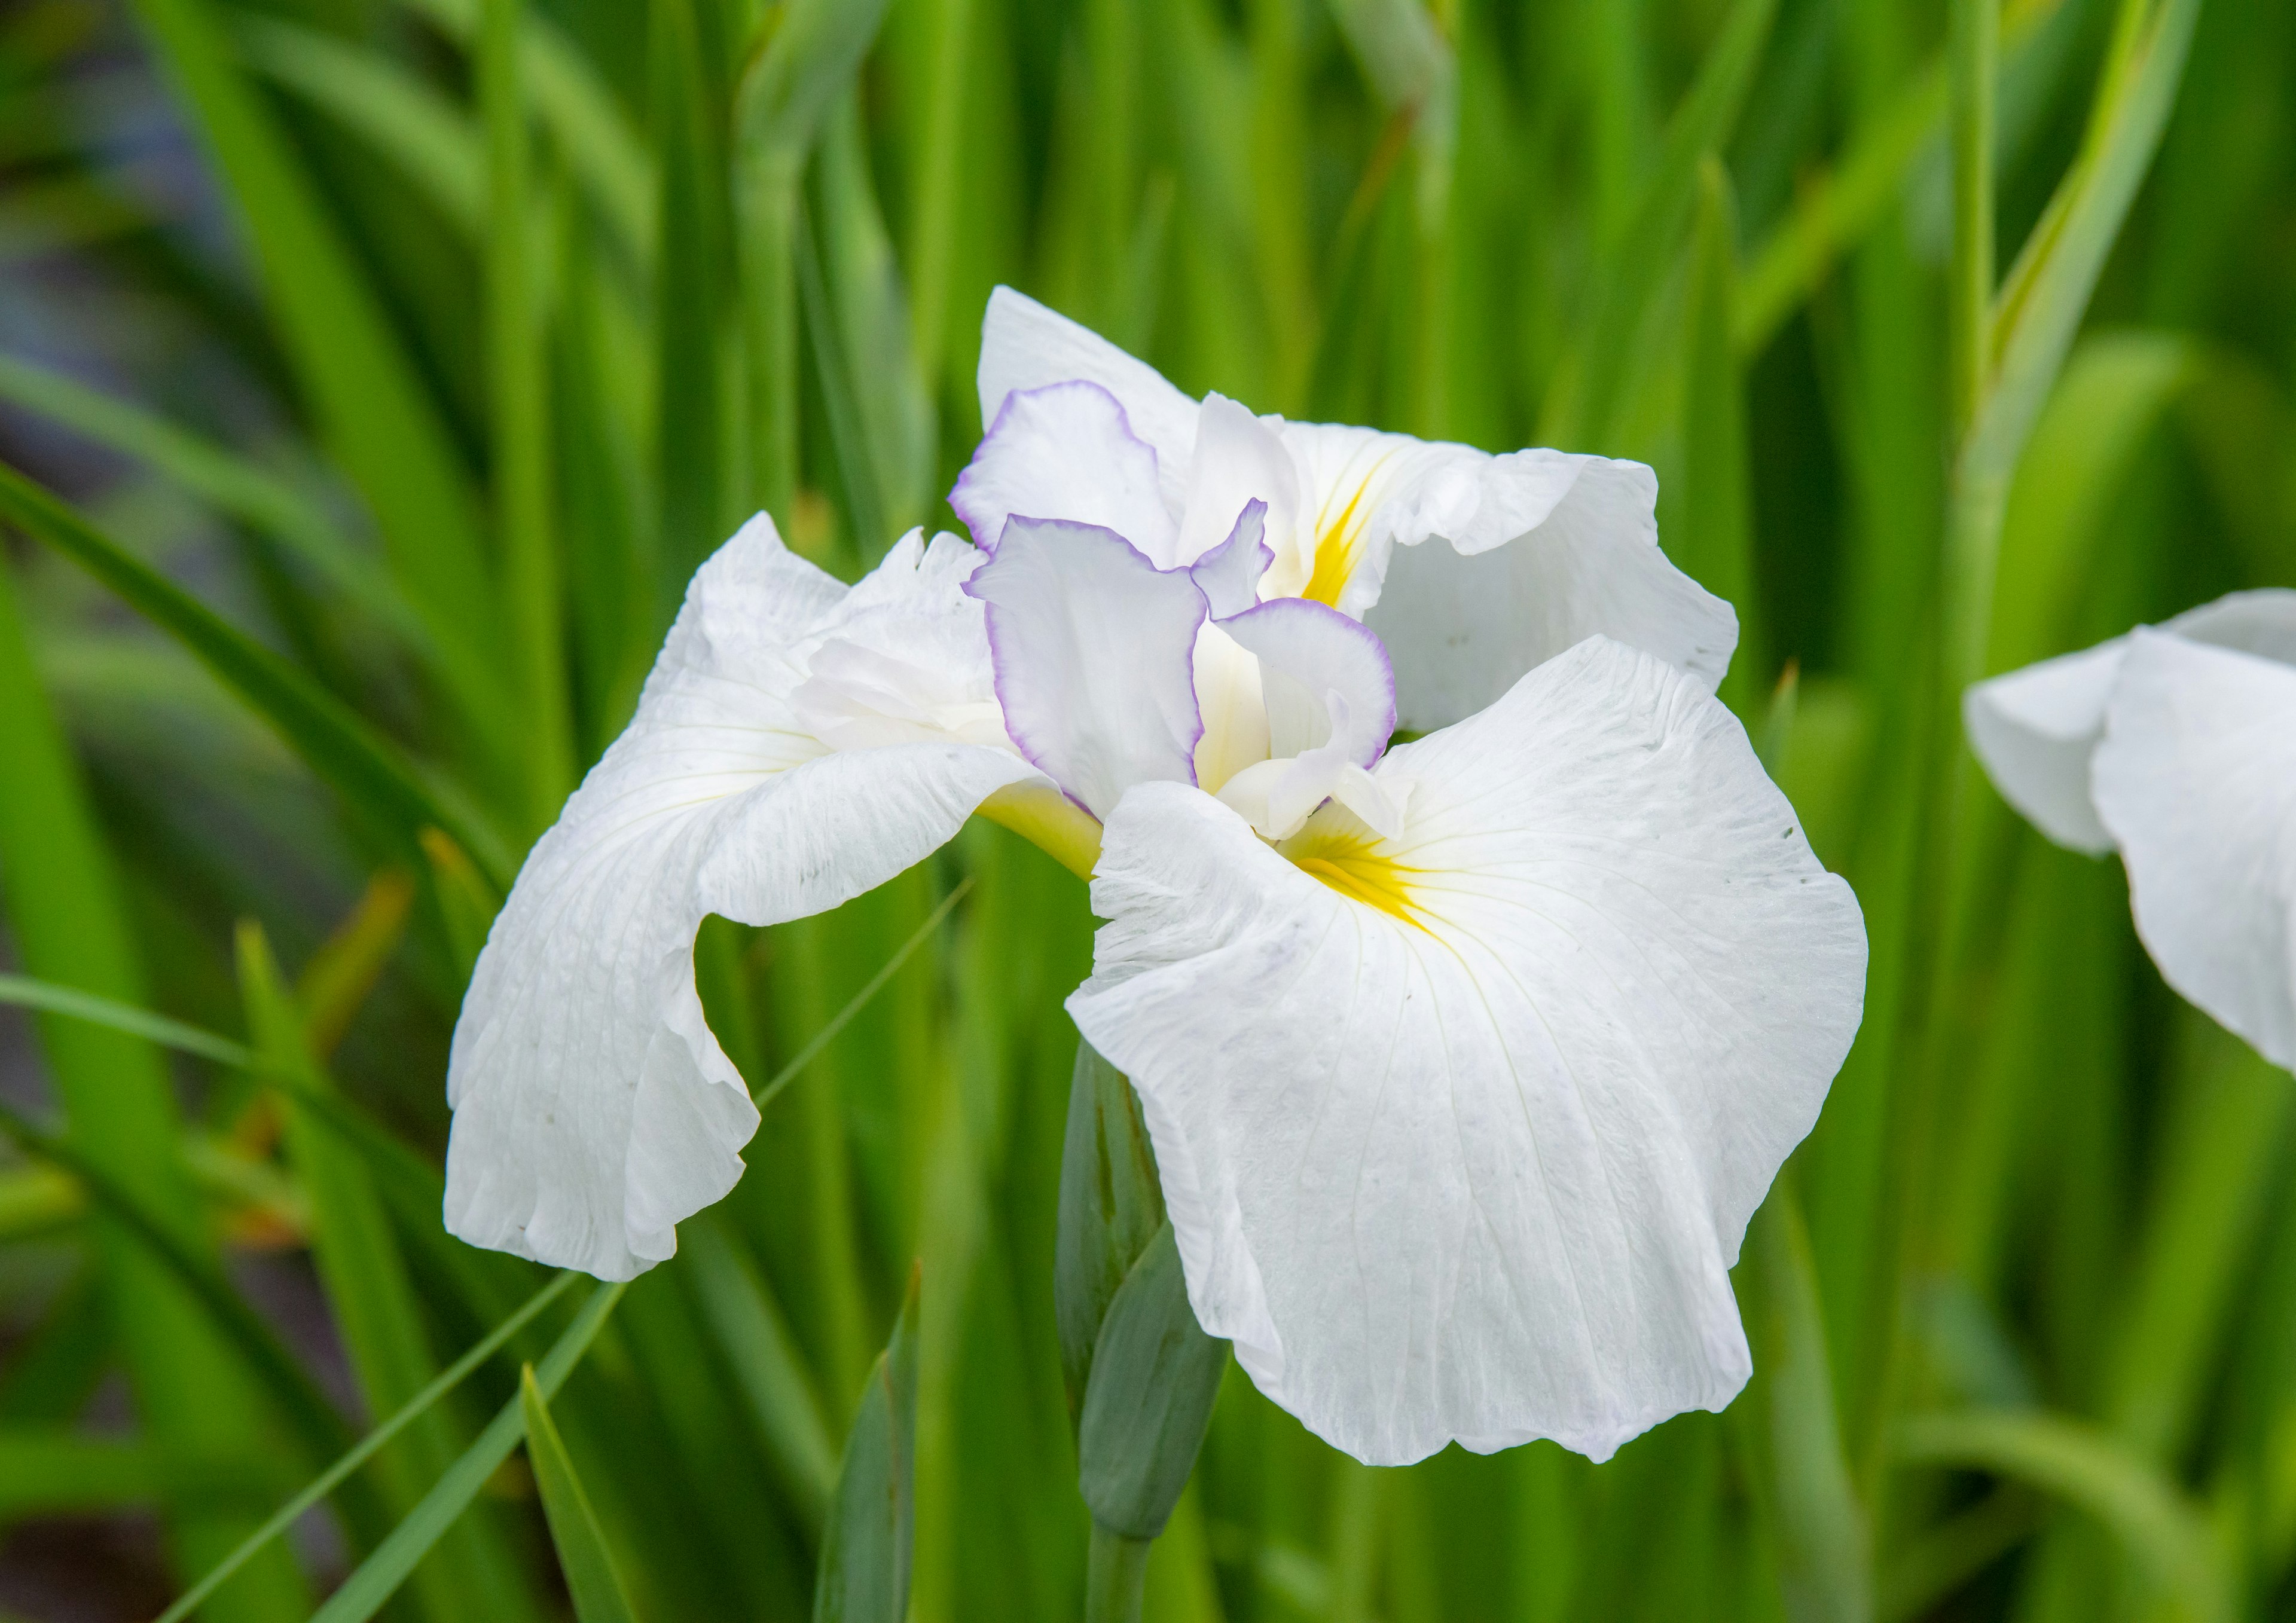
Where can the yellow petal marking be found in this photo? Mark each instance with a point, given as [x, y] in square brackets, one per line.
[1339, 539]
[1351, 864]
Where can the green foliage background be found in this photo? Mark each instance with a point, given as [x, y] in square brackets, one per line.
[403, 357]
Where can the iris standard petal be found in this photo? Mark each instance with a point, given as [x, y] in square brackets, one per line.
[1228, 575]
[593, 1108]
[1533, 553]
[1024, 345]
[2197, 779]
[1460, 1131]
[1093, 647]
[1238, 460]
[1065, 451]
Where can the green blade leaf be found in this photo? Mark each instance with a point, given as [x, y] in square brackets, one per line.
[378, 1578]
[591, 1579]
[1154, 1376]
[766, 1363]
[866, 1548]
[1111, 1207]
[334, 742]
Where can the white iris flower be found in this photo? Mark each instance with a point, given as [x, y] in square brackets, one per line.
[2175, 745]
[1466, 1061]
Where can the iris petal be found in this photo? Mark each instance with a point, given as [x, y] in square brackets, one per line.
[1460, 1130]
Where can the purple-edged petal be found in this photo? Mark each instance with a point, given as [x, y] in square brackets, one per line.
[1092, 646]
[1306, 652]
[1459, 1130]
[2197, 779]
[1065, 451]
[593, 1108]
[1228, 575]
[1024, 345]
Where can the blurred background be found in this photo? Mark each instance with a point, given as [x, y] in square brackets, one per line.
[399, 359]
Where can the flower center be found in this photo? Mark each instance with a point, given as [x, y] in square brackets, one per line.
[1350, 862]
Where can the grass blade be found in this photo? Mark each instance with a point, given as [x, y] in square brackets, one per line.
[591, 1579]
[367, 1446]
[336, 743]
[865, 1552]
[377, 1577]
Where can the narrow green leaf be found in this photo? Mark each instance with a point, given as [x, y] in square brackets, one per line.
[1154, 1376]
[2083, 1466]
[866, 1548]
[26, 993]
[1586, 412]
[407, 123]
[1717, 512]
[372, 1302]
[58, 1470]
[591, 1579]
[196, 1385]
[367, 1446]
[359, 381]
[1111, 1207]
[230, 482]
[378, 1578]
[766, 1363]
[336, 743]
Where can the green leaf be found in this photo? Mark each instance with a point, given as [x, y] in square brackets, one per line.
[197, 1385]
[768, 1365]
[373, 1303]
[367, 1446]
[866, 1548]
[57, 1471]
[377, 1577]
[2084, 1467]
[591, 1579]
[1590, 400]
[426, 136]
[334, 742]
[26, 993]
[360, 384]
[1717, 513]
[1111, 1207]
[1154, 1376]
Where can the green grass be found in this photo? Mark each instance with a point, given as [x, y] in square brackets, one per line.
[352, 495]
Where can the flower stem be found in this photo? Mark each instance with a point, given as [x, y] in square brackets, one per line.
[1115, 1577]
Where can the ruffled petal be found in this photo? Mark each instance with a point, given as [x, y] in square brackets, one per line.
[593, 1108]
[2035, 729]
[1065, 451]
[1228, 575]
[1544, 550]
[2195, 779]
[1307, 652]
[1023, 345]
[1093, 647]
[1239, 459]
[1460, 1131]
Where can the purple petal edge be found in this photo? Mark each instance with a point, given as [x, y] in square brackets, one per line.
[959, 502]
[1282, 607]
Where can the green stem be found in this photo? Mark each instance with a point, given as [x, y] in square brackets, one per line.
[1115, 1577]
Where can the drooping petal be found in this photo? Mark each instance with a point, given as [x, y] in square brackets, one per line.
[1238, 460]
[1526, 555]
[2036, 729]
[2195, 779]
[1093, 649]
[593, 1108]
[1023, 345]
[1460, 1131]
[1065, 451]
[1228, 575]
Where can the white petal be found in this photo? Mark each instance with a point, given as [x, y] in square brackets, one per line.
[1238, 459]
[1480, 1172]
[1228, 575]
[1065, 451]
[1306, 652]
[1023, 345]
[593, 1109]
[1544, 549]
[2035, 729]
[2197, 779]
[1093, 647]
